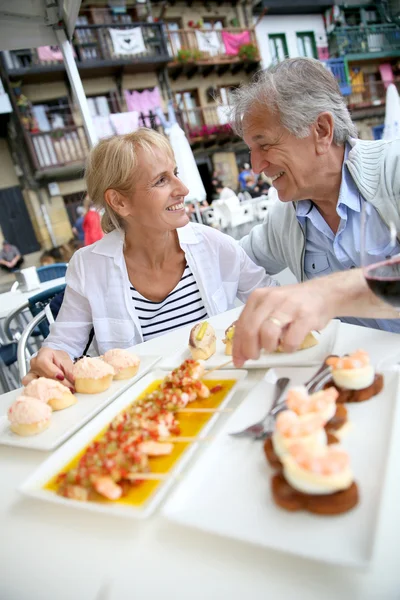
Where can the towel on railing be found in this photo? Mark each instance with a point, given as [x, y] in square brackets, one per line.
[233, 41]
[126, 122]
[127, 41]
[50, 53]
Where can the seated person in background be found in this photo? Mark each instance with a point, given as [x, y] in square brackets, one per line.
[245, 171]
[154, 271]
[10, 257]
[251, 187]
[226, 193]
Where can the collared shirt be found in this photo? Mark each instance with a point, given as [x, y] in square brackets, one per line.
[327, 252]
[98, 291]
[10, 253]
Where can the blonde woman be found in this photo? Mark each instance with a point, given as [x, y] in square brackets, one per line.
[154, 271]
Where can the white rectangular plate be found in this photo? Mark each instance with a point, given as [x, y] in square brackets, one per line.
[312, 356]
[228, 490]
[65, 422]
[57, 461]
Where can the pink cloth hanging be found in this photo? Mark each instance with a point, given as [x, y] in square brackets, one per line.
[386, 72]
[126, 122]
[323, 52]
[50, 53]
[233, 41]
[144, 102]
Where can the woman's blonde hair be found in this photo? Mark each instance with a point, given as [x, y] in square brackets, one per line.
[113, 163]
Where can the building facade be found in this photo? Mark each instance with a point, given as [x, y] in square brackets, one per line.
[136, 61]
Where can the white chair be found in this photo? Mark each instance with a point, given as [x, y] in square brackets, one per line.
[221, 217]
[237, 212]
[209, 217]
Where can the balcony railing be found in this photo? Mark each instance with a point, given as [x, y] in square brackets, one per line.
[205, 45]
[370, 93]
[58, 148]
[93, 46]
[202, 123]
[364, 39]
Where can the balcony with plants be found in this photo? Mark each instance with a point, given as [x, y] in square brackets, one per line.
[197, 50]
[206, 125]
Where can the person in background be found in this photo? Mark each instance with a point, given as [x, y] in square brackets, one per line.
[225, 193]
[245, 171]
[91, 224]
[10, 257]
[77, 229]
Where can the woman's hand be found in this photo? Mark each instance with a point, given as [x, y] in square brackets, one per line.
[54, 364]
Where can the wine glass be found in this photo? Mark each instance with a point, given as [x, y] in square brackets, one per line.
[380, 255]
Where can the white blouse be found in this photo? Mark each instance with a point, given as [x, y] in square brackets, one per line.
[98, 288]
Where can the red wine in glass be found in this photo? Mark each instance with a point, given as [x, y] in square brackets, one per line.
[384, 280]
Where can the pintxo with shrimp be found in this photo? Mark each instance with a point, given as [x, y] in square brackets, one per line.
[354, 377]
[317, 479]
[291, 428]
[324, 403]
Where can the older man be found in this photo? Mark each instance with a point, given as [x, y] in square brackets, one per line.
[300, 134]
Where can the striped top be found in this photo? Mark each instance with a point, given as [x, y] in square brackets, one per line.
[182, 306]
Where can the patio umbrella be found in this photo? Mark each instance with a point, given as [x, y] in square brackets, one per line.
[392, 115]
[188, 171]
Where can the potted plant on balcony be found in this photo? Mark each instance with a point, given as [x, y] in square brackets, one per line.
[197, 54]
[248, 52]
[183, 55]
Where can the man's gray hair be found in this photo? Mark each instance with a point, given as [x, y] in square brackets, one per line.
[298, 89]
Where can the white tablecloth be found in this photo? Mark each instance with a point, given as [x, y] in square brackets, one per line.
[11, 300]
[53, 553]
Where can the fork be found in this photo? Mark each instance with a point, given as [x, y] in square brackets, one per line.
[264, 428]
[258, 428]
[316, 383]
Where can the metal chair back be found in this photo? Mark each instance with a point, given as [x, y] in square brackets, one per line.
[38, 303]
[49, 272]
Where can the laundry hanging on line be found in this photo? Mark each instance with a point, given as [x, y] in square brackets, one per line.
[127, 41]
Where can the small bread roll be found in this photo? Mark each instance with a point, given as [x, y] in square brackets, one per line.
[52, 392]
[29, 416]
[125, 364]
[92, 375]
[202, 341]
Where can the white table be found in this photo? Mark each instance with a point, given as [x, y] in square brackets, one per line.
[11, 300]
[53, 553]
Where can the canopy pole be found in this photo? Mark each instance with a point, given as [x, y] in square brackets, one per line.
[77, 87]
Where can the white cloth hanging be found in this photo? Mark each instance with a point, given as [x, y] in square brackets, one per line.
[39, 112]
[392, 115]
[207, 41]
[127, 41]
[102, 106]
[103, 127]
[188, 170]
